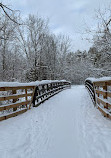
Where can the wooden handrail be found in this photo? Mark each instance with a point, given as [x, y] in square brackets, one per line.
[16, 96]
[15, 88]
[21, 98]
[102, 95]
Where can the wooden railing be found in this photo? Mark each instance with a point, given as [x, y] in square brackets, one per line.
[17, 100]
[45, 91]
[100, 92]
[90, 88]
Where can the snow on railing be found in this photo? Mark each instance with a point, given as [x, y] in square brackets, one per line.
[100, 92]
[17, 98]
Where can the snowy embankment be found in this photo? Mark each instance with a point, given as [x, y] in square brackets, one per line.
[65, 126]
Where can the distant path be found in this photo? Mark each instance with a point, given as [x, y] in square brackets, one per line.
[65, 126]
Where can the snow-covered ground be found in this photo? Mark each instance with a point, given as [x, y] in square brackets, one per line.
[65, 126]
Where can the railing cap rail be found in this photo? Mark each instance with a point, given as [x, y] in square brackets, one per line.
[30, 84]
[102, 79]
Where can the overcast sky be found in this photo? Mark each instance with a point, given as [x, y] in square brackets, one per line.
[65, 16]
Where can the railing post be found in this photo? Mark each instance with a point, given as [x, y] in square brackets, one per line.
[26, 96]
[43, 90]
[34, 96]
[105, 96]
[14, 100]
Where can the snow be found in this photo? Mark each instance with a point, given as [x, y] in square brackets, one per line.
[36, 83]
[65, 126]
[99, 79]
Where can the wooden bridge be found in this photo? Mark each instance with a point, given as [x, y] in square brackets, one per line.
[21, 98]
[66, 125]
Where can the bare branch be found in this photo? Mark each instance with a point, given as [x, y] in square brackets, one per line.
[4, 6]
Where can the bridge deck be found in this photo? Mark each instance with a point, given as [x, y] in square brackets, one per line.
[65, 126]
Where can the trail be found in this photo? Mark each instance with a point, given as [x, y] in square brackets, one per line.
[65, 126]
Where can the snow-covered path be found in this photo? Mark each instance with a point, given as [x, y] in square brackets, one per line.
[65, 126]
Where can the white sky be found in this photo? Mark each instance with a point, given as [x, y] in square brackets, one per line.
[65, 16]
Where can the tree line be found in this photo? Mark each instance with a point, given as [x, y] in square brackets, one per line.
[29, 51]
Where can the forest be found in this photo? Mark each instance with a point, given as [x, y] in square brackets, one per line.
[29, 51]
